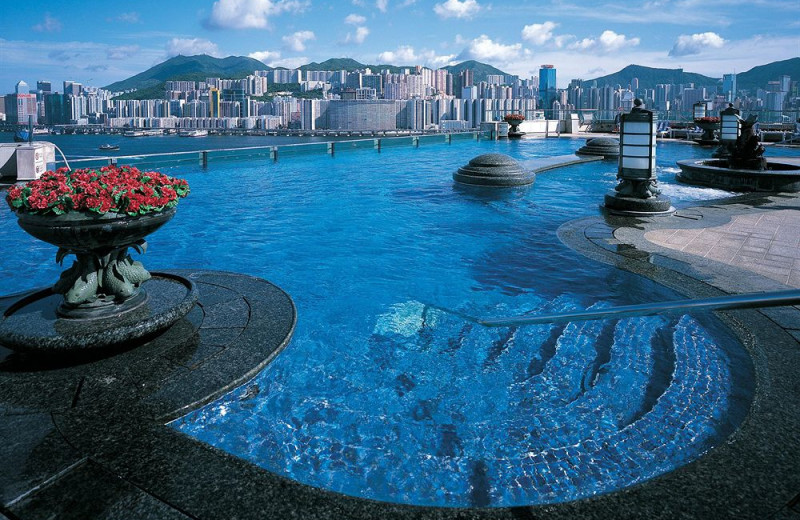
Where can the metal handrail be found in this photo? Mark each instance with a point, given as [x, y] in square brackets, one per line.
[736, 301]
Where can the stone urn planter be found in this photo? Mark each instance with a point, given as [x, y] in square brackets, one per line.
[105, 301]
[97, 214]
[103, 279]
[709, 125]
[514, 120]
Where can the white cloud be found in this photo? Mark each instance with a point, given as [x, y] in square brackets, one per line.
[406, 55]
[696, 43]
[355, 19]
[49, 24]
[297, 41]
[484, 49]
[538, 33]
[609, 41]
[265, 56]
[132, 17]
[382, 5]
[290, 63]
[191, 46]
[358, 37]
[249, 14]
[457, 9]
[122, 52]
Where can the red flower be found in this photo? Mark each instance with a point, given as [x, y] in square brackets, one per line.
[122, 189]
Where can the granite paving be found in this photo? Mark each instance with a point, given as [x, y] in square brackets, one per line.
[762, 241]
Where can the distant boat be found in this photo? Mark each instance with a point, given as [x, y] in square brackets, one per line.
[142, 133]
[109, 147]
[21, 136]
[193, 133]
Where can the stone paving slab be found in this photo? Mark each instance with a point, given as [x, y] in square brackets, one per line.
[762, 241]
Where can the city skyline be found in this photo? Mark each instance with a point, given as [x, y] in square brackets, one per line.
[99, 44]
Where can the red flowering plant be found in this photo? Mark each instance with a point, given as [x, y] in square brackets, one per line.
[707, 119]
[514, 117]
[110, 189]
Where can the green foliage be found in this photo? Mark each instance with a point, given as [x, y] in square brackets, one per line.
[480, 70]
[190, 68]
[155, 92]
[293, 88]
[335, 64]
[758, 77]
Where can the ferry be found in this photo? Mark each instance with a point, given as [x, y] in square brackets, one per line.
[142, 133]
[109, 147]
[193, 133]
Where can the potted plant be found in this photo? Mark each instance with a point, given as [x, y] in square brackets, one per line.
[708, 124]
[514, 120]
[97, 214]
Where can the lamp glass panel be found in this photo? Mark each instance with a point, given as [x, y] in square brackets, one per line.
[636, 151]
[640, 139]
[637, 127]
[641, 163]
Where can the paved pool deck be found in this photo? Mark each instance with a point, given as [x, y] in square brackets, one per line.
[89, 441]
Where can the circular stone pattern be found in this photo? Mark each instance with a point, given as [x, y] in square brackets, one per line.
[605, 146]
[32, 325]
[494, 169]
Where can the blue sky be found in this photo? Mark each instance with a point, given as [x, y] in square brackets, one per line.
[97, 42]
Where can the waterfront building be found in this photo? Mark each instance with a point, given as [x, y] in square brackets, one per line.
[368, 114]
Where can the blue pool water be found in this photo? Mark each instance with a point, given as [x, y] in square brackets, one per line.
[382, 395]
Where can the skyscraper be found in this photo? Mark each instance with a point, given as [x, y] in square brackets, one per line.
[547, 86]
[729, 86]
[214, 102]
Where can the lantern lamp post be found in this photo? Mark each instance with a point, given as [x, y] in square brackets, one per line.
[731, 129]
[699, 110]
[637, 193]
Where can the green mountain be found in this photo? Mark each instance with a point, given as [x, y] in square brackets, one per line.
[650, 77]
[757, 77]
[335, 64]
[480, 70]
[190, 68]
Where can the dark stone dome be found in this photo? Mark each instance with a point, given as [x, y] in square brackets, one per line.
[493, 169]
[605, 146]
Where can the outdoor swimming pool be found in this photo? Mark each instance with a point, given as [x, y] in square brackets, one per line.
[382, 395]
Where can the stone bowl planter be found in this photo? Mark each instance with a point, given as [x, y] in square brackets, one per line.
[104, 279]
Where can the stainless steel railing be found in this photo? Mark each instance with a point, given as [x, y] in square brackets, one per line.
[737, 301]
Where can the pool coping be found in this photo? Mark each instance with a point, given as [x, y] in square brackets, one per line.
[113, 460]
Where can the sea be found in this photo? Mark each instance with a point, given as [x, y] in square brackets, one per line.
[84, 146]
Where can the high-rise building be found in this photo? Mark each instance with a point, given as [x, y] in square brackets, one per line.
[691, 96]
[72, 88]
[786, 82]
[547, 86]
[729, 86]
[467, 79]
[214, 99]
[44, 86]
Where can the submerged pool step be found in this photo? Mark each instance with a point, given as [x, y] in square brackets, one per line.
[597, 426]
